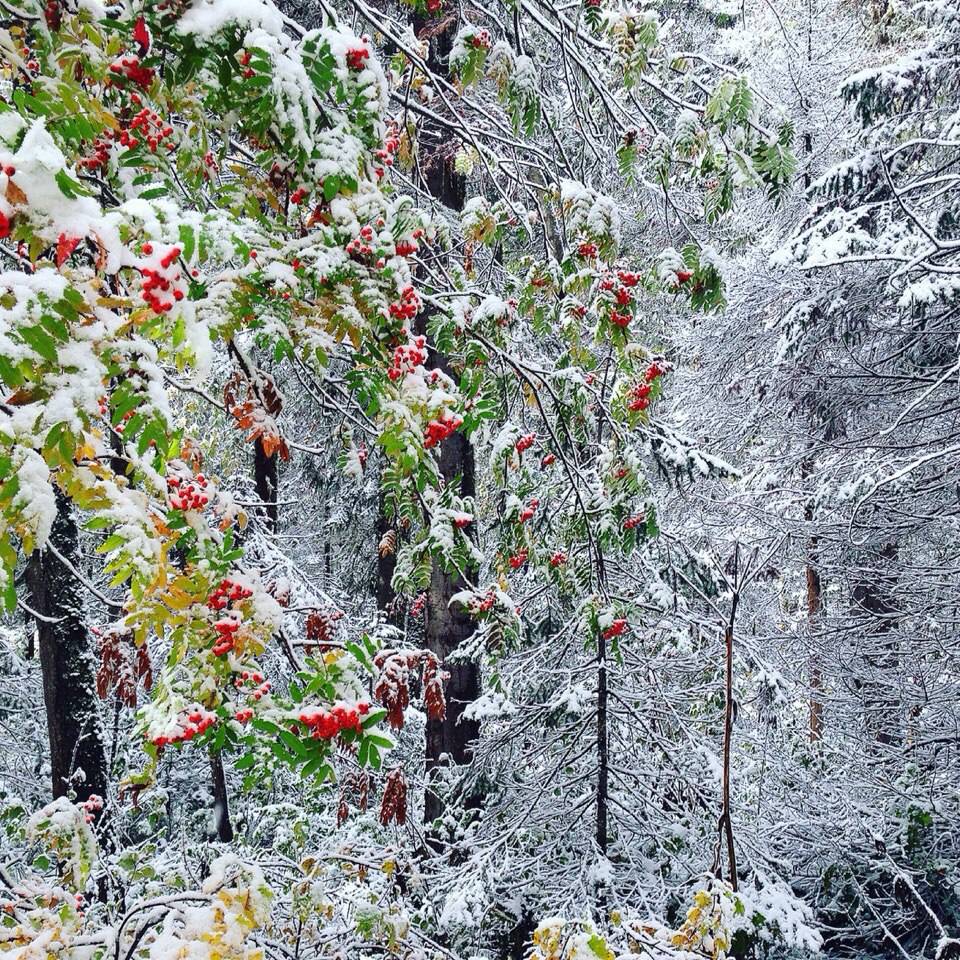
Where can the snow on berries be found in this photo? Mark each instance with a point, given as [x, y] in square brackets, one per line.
[407, 307]
[163, 281]
[187, 494]
[438, 429]
[407, 357]
[326, 723]
[357, 58]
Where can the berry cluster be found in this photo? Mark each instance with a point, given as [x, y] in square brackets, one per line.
[634, 521]
[361, 245]
[518, 559]
[356, 57]
[386, 154]
[260, 686]
[406, 248]
[407, 357]
[588, 250]
[528, 511]
[92, 804]
[149, 126]
[439, 430]
[298, 195]
[481, 41]
[638, 396]
[195, 724]
[326, 724]
[548, 460]
[101, 153]
[245, 63]
[418, 605]
[525, 443]
[188, 495]
[130, 68]
[558, 559]
[616, 629]
[162, 276]
[226, 627]
[487, 603]
[407, 307]
[228, 592]
[462, 520]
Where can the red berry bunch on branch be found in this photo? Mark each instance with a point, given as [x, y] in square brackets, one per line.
[616, 629]
[407, 307]
[326, 724]
[407, 357]
[439, 429]
[188, 494]
[163, 282]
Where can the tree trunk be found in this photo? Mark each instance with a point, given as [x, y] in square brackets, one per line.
[448, 740]
[221, 800]
[78, 759]
[265, 480]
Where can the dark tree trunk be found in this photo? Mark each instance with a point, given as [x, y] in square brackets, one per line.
[221, 800]
[447, 627]
[265, 479]
[78, 759]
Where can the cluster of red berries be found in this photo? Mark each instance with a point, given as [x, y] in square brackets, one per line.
[196, 723]
[407, 307]
[361, 245]
[298, 195]
[53, 14]
[588, 250]
[616, 629]
[386, 153]
[525, 443]
[130, 68]
[518, 559]
[229, 591]
[149, 126]
[407, 357]
[226, 627]
[418, 605]
[209, 165]
[101, 153]
[188, 495]
[406, 248]
[638, 397]
[439, 430]
[558, 559]
[627, 278]
[91, 805]
[481, 41]
[326, 724]
[245, 62]
[683, 276]
[164, 278]
[634, 521]
[528, 511]
[434, 6]
[487, 603]
[548, 460]
[257, 692]
[462, 520]
[356, 57]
